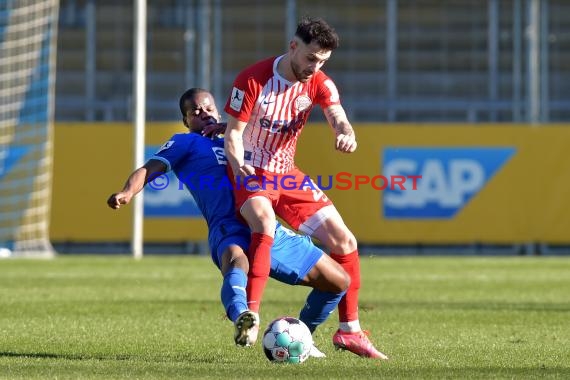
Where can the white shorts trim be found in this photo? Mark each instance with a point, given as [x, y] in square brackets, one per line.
[318, 218]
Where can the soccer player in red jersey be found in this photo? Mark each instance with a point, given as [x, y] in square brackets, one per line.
[197, 158]
[267, 109]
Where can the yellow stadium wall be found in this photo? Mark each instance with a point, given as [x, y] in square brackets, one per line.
[92, 161]
[524, 201]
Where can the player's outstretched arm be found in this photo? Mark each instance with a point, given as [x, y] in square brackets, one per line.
[233, 144]
[345, 136]
[135, 183]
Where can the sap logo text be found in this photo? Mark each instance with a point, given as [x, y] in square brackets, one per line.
[451, 177]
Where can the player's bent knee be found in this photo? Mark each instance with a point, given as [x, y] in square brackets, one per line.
[351, 244]
[344, 244]
[234, 257]
[259, 216]
[240, 262]
[327, 275]
[347, 281]
[337, 240]
[343, 282]
[342, 278]
[340, 283]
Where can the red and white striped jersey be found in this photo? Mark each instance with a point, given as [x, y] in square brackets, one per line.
[275, 111]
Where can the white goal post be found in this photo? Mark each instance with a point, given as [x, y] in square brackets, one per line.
[28, 35]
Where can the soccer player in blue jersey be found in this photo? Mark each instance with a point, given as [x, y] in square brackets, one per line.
[198, 160]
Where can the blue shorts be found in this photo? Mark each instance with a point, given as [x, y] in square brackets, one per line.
[292, 255]
[230, 232]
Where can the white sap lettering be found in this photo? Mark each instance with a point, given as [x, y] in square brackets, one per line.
[400, 199]
[466, 177]
[433, 185]
[463, 177]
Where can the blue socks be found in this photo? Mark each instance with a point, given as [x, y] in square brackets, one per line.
[318, 307]
[233, 293]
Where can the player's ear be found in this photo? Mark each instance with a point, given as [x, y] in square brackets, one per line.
[185, 122]
[293, 44]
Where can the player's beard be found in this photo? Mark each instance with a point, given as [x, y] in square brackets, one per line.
[301, 76]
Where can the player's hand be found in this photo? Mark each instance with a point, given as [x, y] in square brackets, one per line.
[116, 200]
[214, 129]
[346, 143]
[245, 170]
[247, 178]
[242, 172]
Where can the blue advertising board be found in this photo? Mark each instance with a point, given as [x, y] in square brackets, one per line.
[450, 178]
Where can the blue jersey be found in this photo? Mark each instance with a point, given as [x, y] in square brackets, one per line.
[200, 165]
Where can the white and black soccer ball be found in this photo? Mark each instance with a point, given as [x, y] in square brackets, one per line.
[287, 340]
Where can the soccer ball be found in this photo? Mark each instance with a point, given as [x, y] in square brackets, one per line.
[287, 340]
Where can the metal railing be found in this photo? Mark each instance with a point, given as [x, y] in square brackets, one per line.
[468, 61]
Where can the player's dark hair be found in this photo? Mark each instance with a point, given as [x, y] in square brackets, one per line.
[316, 29]
[189, 94]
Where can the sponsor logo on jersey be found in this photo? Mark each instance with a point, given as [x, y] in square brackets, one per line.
[236, 100]
[450, 178]
[165, 146]
[281, 126]
[302, 103]
[220, 155]
[266, 101]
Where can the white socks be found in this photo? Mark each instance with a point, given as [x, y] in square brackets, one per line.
[350, 326]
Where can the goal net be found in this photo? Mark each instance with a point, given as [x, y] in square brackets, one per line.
[28, 32]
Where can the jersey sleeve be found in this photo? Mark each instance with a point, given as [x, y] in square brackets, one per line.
[243, 96]
[173, 151]
[327, 93]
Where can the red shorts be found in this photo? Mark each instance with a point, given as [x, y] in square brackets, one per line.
[294, 197]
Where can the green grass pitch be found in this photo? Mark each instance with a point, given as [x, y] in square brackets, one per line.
[110, 317]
